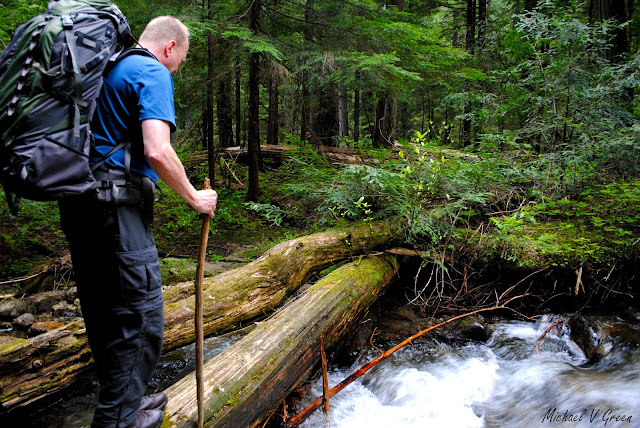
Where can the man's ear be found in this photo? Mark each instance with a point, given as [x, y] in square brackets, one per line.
[170, 47]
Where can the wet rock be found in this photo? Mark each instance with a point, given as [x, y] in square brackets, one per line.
[64, 310]
[71, 293]
[400, 323]
[472, 328]
[43, 327]
[76, 303]
[44, 302]
[5, 325]
[11, 308]
[45, 317]
[24, 321]
[585, 334]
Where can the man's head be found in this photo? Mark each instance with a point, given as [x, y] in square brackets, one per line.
[168, 39]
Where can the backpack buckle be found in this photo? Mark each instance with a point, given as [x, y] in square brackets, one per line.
[67, 22]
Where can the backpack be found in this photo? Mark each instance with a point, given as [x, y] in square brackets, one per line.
[51, 74]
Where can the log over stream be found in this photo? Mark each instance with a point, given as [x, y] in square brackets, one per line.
[245, 382]
[33, 368]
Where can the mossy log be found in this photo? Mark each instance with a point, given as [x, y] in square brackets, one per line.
[252, 291]
[279, 153]
[247, 381]
[33, 368]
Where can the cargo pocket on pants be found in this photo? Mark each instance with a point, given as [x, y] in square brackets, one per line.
[139, 274]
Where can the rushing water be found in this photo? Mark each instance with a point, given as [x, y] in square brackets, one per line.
[505, 382]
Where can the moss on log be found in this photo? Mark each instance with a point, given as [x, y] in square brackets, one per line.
[50, 362]
[254, 290]
[33, 368]
[249, 379]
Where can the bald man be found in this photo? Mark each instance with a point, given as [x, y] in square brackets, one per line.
[112, 245]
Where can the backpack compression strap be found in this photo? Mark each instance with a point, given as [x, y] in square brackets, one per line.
[14, 204]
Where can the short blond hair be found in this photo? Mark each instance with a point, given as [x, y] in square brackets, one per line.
[161, 29]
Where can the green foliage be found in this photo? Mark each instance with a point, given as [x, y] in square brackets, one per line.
[559, 96]
[422, 188]
[32, 239]
[253, 43]
[600, 226]
[274, 214]
[15, 13]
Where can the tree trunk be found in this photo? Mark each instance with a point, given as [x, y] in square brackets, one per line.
[356, 109]
[466, 125]
[305, 119]
[618, 11]
[30, 369]
[225, 115]
[238, 106]
[272, 128]
[248, 380]
[254, 111]
[250, 292]
[470, 43]
[281, 153]
[325, 125]
[386, 121]
[482, 22]
[470, 32]
[343, 112]
[399, 4]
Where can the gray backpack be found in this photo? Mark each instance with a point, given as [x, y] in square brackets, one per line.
[50, 76]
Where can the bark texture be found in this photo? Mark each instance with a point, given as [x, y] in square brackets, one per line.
[250, 292]
[248, 380]
[31, 369]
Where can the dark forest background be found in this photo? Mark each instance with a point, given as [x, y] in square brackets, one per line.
[491, 117]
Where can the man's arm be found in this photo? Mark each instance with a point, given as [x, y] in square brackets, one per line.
[164, 161]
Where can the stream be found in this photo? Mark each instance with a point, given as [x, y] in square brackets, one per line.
[502, 382]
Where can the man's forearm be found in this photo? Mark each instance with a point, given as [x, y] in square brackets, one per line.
[171, 171]
[164, 161]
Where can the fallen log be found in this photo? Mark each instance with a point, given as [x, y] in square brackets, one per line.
[33, 368]
[253, 291]
[30, 371]
[246, 382]
[279, 153]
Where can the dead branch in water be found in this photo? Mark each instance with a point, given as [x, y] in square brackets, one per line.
[542, 336]
[315, 404]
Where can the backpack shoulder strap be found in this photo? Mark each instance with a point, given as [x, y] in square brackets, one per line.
[125, 53]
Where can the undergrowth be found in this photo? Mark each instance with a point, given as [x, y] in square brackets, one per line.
[511, 207]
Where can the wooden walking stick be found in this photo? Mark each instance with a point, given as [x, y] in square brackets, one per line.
[199, 312]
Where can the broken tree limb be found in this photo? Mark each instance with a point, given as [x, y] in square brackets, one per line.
[30, 369]
[248, 380]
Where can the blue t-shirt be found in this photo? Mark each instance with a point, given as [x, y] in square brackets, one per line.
[137, 88]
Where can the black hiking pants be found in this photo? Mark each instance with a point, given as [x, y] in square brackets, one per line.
[117, 272]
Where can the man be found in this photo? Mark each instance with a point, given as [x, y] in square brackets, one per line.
[112, 246]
